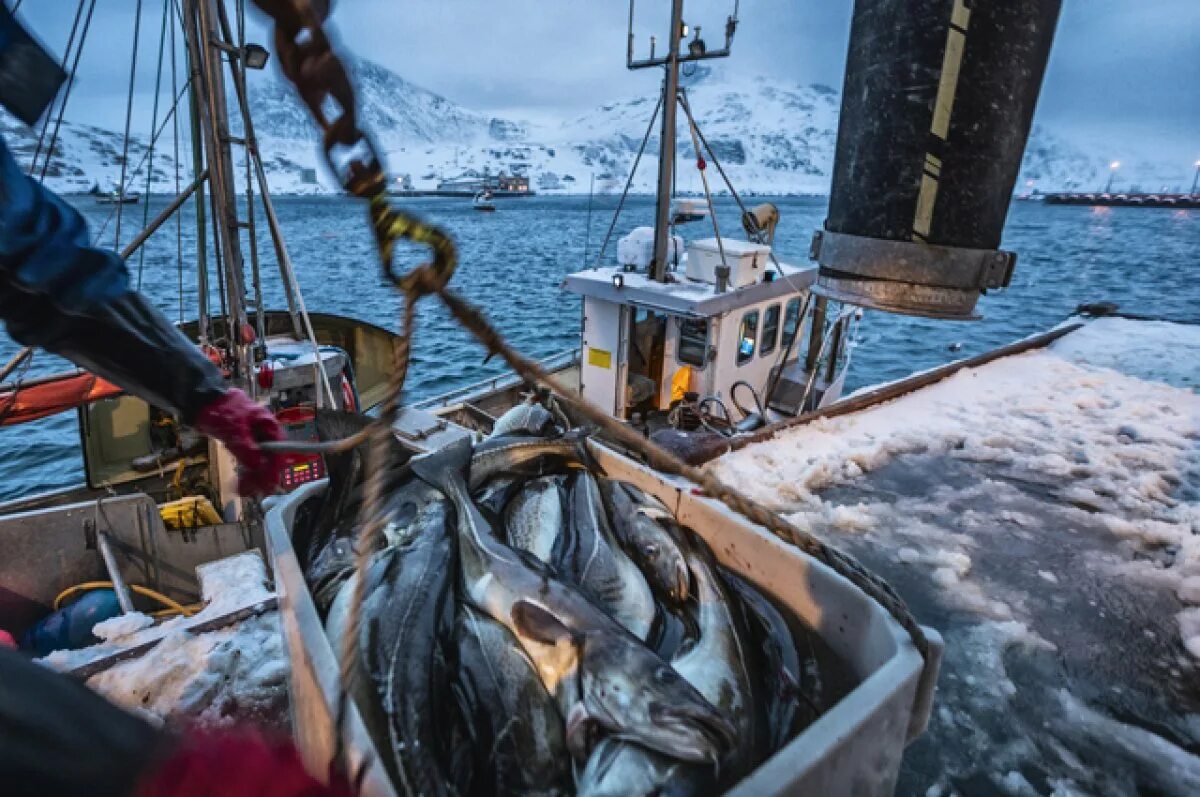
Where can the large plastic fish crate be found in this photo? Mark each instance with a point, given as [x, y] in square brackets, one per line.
[854, 748]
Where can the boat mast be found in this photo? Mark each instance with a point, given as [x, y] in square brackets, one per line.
[666, 157]
[696, 51]
[200, 29]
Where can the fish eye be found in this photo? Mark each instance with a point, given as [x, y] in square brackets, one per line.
[650, 550]
[663, 674]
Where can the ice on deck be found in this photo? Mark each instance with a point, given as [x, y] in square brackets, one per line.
[233, 674]
[1043, 511]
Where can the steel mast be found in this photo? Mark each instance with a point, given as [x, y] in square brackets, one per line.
[208, 73]
[696, 51]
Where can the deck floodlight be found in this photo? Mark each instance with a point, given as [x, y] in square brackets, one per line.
[618, 281]
[255, 56]
[684, 30]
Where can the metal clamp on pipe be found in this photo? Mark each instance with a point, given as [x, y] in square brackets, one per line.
[907, 276]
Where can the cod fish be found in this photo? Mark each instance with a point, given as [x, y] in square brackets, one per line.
[652, 547]
[769, 634]
[520, 742]
[497, 495]
[527, 418]
[582, 656]
[408, 626]
[534, 520]
[717, 665]
[598, 565]
[517, 455]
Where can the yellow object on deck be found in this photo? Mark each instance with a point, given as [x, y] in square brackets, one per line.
[173, 607]
[681, 382]
[188, 513]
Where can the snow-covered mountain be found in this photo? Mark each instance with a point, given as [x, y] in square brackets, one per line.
[772, 137]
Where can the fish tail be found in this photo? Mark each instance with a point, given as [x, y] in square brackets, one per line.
[446, 467]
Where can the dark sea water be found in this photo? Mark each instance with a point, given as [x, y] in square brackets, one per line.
[512, 262]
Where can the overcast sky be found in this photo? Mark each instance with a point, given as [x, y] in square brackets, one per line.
[1121, 71]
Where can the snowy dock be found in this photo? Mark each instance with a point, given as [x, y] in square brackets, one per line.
[1043, 512]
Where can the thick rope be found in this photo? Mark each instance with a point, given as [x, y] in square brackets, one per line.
[372, 520]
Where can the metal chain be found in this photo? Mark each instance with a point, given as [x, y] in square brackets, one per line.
[308, 61]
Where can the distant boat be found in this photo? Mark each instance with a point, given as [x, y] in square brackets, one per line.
[483, 202]
[114, 197]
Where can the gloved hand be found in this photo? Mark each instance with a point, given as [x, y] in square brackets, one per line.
[241, 425]
[236, 764]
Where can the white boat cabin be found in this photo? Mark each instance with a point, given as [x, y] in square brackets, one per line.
[646, 343]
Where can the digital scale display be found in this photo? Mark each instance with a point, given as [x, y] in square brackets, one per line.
[299, 423]
[299, 473]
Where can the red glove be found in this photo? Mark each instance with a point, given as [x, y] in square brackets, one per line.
[241, 424]
[235, 764]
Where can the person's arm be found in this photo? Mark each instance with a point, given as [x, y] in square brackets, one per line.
[60, 293]
[57, 737]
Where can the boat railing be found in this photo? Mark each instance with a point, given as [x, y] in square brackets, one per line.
[555, 362]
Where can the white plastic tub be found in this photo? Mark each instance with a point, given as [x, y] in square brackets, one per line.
[855, 748]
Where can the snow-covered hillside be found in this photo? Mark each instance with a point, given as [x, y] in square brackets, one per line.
[85, 155]
[772, 137]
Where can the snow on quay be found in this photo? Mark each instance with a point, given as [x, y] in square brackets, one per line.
[1043, 512]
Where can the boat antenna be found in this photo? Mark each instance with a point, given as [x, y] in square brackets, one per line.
[697, 50]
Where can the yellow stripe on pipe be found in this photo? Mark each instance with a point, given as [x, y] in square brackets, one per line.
[943, 108]
[960, 15]
[948, 85]
[925, 199]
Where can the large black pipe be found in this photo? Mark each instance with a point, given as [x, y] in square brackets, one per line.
[936, 109]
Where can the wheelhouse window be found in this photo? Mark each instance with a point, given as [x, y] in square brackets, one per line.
[791, 321]
[693, 341]
[747, 337]
[770, 331]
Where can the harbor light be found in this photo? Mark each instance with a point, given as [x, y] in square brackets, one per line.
[1112, 173]
[255, 56]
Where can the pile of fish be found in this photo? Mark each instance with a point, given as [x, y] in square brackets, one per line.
[531, 627]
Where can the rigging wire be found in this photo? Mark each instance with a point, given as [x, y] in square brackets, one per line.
[628, 182]
[712, 211]
[302, 326]
[62, 65]
[62, 109]
[137, 31]
[175, 143]
[162, 42]
[154, 140]
[238, 68]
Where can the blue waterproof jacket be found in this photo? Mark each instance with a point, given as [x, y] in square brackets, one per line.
[60, 293]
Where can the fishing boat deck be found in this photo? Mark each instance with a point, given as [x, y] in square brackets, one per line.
[1043, 512]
